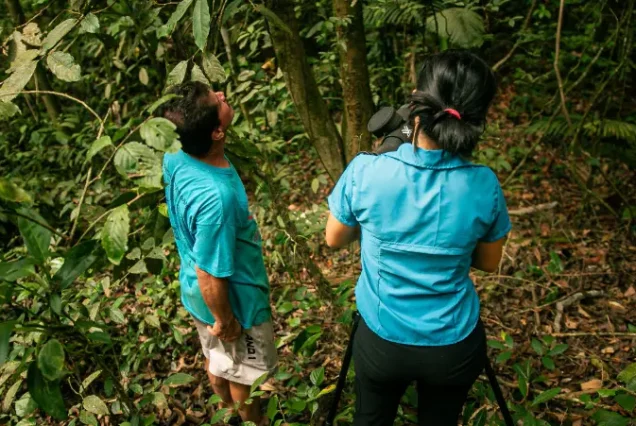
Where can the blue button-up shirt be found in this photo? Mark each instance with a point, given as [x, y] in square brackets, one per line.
[421, 215]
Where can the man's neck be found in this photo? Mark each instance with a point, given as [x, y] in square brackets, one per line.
[216, 156]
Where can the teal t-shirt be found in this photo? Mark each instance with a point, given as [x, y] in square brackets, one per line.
[421, 215]
[215, 231]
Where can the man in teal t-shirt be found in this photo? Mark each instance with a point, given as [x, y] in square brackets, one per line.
[223, 279]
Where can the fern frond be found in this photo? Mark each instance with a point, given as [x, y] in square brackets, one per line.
[606, 128]
[462, 26]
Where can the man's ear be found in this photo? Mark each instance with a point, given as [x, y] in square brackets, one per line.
[218, 134]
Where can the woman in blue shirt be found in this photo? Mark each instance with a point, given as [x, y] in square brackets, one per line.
[425, 215]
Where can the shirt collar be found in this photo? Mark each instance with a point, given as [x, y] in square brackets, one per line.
[437, 159]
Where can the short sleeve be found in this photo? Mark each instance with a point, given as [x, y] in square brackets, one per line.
[501, 225]
[340, 199]
[214, 247]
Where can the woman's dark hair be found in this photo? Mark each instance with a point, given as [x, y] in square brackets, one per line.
[454, 90]
[194, 115]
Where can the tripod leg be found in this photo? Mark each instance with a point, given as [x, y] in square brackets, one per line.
[342, 378]
[492, 378]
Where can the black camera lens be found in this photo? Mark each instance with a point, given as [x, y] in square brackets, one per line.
[384, 121]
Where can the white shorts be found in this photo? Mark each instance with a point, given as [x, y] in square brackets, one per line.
[244, 360]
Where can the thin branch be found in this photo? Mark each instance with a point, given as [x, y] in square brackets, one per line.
[557, 51]
[532, 209]
[63, 95]
[526, 22]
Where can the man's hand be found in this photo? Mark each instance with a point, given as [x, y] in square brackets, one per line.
[226, 331]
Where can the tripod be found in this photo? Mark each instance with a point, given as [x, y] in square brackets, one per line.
[342, 379]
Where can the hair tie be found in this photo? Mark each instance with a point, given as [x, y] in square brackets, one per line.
[454, 113]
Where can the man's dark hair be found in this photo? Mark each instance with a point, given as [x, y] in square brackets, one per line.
[193, 114]
[454, 91]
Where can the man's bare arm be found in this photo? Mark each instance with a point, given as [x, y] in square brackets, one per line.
[215, 294]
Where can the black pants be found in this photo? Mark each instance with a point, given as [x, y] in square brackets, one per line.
[444, 375]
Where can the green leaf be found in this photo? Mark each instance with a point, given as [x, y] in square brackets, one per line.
[76, 262]
[178, 379]
[317, 376]
[152, 108]
[628, 376]
[8, 110]
[609, 418]
[117, 316]
[315, 185]
[58, 33]
[503, 357]
[137, 161]
[177, 75]
[48, 395]
[213, 68]
[548, 363]
[63, 66]
[462, 26]
[197, 75]
[628, 402]
[55, 302]
[93, 404]
[201, 23]
[90, 24]
[97, 146]
[13, 85]
[139, 268]
[272, 407]
[496, 344]
[159, 400]
[51, 360]
[558, 349]
[143, 76]
[90, 379]
[153, 321]
[88, 418]
[272, 18]
[9, 397]
[13, 271]
[11, 192]
[174, 19]
[25, 406]
[5, 334]
[537, 346]
[114, 234]
[36, 238]
[159, 133]
[544, 397]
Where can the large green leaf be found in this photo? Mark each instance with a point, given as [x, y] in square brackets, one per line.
[58, 33]
[609, 418]
[51, 360]
[213, 68]
[545, 396]
[182, 8]
[76, 262]
[201, 23]
[97, 146]
[177, 75]
[93, 404]
[114, 234]
[13, 85]
[90, 24]
[8, 110]
[462, 26]
[36, 237]
[13, 271]
[11, 192]
[197, 75]
[159, 133]
[5, 334]
[63, 66]
[628, 376]
[178, 379]
[137, 161]
[47, 394]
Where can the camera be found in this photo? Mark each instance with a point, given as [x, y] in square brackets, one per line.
[392, 126]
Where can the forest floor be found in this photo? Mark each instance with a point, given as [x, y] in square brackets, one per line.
[560, 306]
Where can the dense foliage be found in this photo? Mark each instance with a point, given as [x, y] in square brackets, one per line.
[91, 327]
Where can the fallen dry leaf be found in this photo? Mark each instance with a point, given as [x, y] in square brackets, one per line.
[615, 305]
[631, 292]
[608, 350]
[593, 384]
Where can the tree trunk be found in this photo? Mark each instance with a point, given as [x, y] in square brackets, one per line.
[358, 101]
[41, 80]
[301, 83]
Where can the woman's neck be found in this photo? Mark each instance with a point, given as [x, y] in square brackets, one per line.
[216, 155]
[425, 142]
